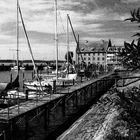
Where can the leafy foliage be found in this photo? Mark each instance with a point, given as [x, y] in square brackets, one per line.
[131, 51]
[131, 54]
[135, 15]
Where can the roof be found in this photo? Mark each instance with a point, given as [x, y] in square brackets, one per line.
[99, 46]
[114, 48]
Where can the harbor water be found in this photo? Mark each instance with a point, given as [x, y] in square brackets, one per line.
[7, 76]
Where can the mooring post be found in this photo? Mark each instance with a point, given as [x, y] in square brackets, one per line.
[63, 84]
[54, 86]
[26, 92]
[73, 81]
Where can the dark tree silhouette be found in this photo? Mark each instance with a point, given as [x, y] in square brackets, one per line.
[69, 57]
[131, 52]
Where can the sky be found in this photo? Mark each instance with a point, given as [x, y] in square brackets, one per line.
[93, 20]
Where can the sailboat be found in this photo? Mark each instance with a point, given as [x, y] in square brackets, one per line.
[17, 67]
[7, 88]
[66, 74]
[44, 81]
[70, 72]
[37, 83]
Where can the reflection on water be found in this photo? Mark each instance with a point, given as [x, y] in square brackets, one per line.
[6, 76]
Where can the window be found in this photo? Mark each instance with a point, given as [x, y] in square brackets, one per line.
[89, 58]
[103, 58]
[98, 58]
[98, 53]
[93, 54]
[84, 58]
[93, 58]
[88, 54]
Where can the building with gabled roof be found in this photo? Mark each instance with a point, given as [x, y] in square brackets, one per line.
[100, 52]
[92, 52]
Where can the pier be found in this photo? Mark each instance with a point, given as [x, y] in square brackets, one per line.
[45, 115]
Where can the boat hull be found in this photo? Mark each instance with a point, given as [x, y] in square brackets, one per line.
[38, 86]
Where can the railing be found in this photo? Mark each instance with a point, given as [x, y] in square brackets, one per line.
[52, 110]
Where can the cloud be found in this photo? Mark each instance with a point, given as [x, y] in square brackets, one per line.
[130, 1]
[81, 6]
[91, 19]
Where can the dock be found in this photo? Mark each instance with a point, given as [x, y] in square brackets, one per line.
[51, 110]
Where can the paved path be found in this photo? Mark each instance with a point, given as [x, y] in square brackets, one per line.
[92, 125]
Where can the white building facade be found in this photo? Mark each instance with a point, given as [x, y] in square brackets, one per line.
[92, 53]
[98, 53]
[112, 56]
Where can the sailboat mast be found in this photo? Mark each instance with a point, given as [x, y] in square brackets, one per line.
[56, 39]
[68, 43]
[18, 35]
[29, 46]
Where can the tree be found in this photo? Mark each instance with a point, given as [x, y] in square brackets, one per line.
[101, 68]
[131, 52]
[69, 57]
